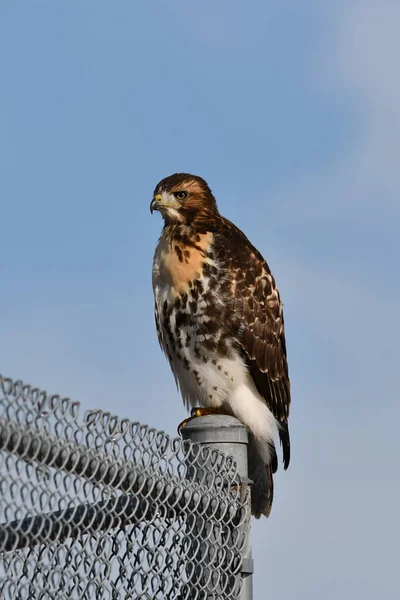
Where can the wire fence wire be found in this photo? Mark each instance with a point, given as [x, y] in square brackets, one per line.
[98, 507]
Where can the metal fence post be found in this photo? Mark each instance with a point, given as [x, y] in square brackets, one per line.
[227, 435]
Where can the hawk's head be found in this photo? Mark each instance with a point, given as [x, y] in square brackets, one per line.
[182, 198]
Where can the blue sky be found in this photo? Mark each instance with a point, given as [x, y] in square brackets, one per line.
[290, 110]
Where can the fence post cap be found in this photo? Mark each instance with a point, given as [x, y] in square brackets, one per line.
[210, 429]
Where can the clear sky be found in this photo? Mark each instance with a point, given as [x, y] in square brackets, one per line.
[291, 111]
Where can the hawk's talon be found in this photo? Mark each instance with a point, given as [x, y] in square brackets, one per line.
[183, 424]
[198, 411]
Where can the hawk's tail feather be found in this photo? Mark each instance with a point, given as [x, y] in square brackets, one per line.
[262, 490]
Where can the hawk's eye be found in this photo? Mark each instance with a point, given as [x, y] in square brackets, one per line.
[180, 195]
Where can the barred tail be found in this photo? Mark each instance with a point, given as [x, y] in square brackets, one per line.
[262, 490]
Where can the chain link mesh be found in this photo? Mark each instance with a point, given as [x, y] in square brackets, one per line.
[98, 507]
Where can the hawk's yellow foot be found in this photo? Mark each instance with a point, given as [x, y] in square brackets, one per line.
[197, 411]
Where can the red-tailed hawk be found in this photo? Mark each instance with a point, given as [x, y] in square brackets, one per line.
[220, 322]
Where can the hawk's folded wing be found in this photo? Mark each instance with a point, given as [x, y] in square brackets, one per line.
[254, 298]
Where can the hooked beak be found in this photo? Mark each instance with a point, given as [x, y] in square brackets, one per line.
[159, 202]
[155, 203]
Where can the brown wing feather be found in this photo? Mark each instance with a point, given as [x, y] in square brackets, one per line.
[255, 299]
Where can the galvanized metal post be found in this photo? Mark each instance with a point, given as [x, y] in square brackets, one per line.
[227, 435]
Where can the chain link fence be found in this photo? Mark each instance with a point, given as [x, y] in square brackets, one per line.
[97, 507]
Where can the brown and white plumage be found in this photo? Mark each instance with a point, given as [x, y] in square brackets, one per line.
[220, 322]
